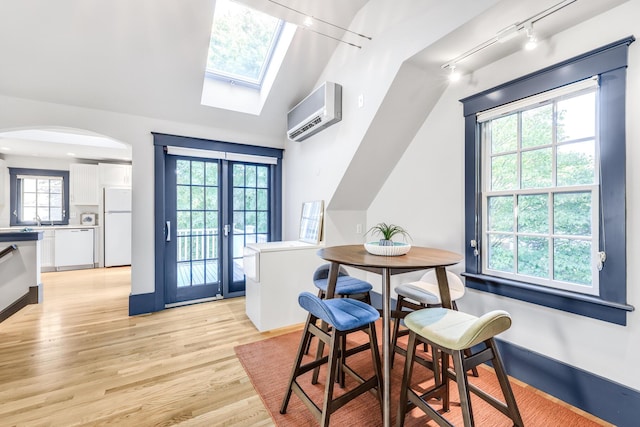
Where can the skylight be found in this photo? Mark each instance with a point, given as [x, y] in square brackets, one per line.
[242, 43]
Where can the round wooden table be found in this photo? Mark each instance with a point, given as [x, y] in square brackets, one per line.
[418, 258]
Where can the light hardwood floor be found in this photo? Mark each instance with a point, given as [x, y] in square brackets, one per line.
[79, 359]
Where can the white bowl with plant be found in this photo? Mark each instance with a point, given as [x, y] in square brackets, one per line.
[385, 245]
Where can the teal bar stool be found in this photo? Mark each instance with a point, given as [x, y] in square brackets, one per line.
[345, 316]
[450, 333]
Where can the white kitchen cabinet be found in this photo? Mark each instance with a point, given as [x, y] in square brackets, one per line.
[74, 247]
[114, 175]
[47, 251]
[83, 184]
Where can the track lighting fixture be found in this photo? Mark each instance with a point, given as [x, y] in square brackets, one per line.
[510, 32]
[454, 75]
[532, 40]
[309, 21]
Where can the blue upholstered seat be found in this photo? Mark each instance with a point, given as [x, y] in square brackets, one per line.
[346, 285]
[343, 314]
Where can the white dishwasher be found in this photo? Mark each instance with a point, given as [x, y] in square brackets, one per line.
[74, 247]
[276, 273]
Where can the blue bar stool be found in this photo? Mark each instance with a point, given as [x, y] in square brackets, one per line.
[450, 333]
[346, 287]
[344, 315]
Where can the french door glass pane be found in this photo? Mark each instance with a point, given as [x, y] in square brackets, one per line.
[197, 222]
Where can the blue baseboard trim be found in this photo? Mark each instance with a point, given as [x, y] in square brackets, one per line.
[606, 399]
[142, 304]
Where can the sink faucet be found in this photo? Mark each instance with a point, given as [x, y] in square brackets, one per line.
[38, 220]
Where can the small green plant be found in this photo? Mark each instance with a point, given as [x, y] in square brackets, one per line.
[387, 231]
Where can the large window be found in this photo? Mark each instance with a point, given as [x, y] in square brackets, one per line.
[39, 196]
[242, 43]
[540, 196]
[545, 185]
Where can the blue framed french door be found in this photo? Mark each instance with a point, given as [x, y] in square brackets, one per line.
[193, 242]
[213, 208]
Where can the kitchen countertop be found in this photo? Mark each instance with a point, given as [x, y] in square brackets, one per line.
[19, 236]
[22, 228]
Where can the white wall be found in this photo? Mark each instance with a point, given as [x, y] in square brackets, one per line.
[136, 131]
[315, 168]
[425, 194]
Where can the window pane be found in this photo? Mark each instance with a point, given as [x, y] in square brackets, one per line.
[212, 198]
[211, 222]
[504, 172]
[238, 175]
[197, 219]
[250, 225]
[533, 256]
[251, 176]
[43, 200]
[537, 168]
[183, 172]
[184, 222]
[55, 186]
[533, 213]
[55, 214]
[29, 185]
[572, 214]
[537, 126]
[504, 134]
[572, 261]
[55, 200]
[577, 117]
[238, 221]
[43, 213]
[576, 164]
[501, 213]
[211, 173]
[42, 186]
[238, 199]
[197, 198]
[501, 252]
[197, 173]
[29, 200]
[263, 222]
[263, 177]
[263, 200]
[250, 198]
[28, 214]
[183, 197]
[241, 41]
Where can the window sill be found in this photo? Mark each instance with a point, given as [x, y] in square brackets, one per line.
[584, 305]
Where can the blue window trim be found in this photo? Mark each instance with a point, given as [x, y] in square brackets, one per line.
[13, 191]
[156, 302]
[609, 62]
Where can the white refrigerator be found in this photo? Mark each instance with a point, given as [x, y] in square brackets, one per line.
[117, 227]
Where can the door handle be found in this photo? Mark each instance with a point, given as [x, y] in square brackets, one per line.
[167, 230]
[226, 229]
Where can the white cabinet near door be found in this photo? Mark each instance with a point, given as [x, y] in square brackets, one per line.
[84, 184]
[114, 175]
[74, 247]
[47, 250]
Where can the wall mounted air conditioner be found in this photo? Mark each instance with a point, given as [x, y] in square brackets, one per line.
[322, 108]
